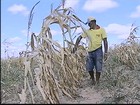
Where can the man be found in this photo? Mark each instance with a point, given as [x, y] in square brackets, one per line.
[96, 35]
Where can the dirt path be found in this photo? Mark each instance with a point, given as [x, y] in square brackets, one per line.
[87, 94]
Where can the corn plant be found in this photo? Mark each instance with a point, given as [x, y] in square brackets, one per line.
[53, 72]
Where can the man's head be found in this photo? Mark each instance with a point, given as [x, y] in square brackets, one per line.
[90, 19]
[91, 22]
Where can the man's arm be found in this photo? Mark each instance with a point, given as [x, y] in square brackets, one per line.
[77, 42]
[105, 45]
[105, 48]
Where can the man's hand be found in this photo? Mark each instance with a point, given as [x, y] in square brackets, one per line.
[74, 49]
[76, 44]
[105, 56]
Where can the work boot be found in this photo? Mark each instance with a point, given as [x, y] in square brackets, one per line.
[98, 77]
[91, 73]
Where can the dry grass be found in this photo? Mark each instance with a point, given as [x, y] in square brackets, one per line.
[11, 80]
[121, 77]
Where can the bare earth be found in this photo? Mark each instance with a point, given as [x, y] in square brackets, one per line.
[88, 94]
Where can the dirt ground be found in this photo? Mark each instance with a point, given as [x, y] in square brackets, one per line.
[88, 94]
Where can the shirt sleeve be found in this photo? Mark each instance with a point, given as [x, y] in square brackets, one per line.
[104, 35]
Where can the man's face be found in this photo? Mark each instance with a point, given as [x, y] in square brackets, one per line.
[92, 24]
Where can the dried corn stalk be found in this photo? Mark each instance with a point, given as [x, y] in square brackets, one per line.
[128, 53]
[56, 71]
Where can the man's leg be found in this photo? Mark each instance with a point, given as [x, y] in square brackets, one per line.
[90, 66]
[99, 62]
[98, 77]
[91, 73]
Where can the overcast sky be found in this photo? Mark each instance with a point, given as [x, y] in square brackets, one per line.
[116, 16]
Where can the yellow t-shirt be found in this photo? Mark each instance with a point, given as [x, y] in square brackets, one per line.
[95, 38]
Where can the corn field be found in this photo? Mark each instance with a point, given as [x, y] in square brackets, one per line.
[48, 70]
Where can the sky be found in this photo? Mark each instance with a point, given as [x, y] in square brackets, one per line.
[115, 16]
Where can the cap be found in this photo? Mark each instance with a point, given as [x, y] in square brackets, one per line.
[90, 19]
